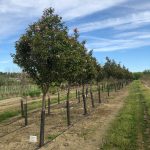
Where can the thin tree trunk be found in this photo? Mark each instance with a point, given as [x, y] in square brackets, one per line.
[99, 93]
[68, 107]
[22, 108]
[115, 87]
[76, 93]
[122, 85]
[78, 96]
[108, 89]
[42, 121]
[102, 87]
[86, 92]
[45, 104]
[84, 101]
[25, 114]
[119, 85]
[49, 104]
[92, 99]
[58, 96]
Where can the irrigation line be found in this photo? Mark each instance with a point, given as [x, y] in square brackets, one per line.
[35, 111]
[32, 112]
[93, 110]
[16, 118]
[12, 132]
[65, 130]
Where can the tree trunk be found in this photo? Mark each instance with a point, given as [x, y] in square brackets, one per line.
[86, 92]
[122, 85]
[92, 100]
[108, 89]
[118, 86]
[58, 96]
[115, 87]
[102, 87]
[78, 96]
[68, 107]
[25, 114]
[22, 109]
[49, 105]
[76, 93]
[99, 94]
[42, 121]
[84, 101]
[45, 104]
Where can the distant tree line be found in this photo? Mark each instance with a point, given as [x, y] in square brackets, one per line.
[147, 72]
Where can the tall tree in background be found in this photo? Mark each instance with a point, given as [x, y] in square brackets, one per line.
[73, 59]
[88, 72]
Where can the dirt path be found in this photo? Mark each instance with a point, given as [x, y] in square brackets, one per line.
[88, 133]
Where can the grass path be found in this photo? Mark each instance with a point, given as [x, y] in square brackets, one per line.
[131, 128]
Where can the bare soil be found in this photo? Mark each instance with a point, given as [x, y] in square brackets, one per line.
[86, 132]
[89, 133]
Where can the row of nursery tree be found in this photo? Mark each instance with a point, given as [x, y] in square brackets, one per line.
[48, 54]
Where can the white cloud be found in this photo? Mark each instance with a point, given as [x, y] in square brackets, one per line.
[80, 8]
[140, 5]
[15, 15]
[126, 34]
[126, 45]
[134, 35]
[131, 44]
[68, 8]
[124, 41]
[134, 20]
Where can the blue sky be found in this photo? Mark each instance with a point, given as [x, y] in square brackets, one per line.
[119, 29]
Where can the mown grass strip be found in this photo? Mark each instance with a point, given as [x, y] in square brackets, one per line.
[124, 131]
[146, 121]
